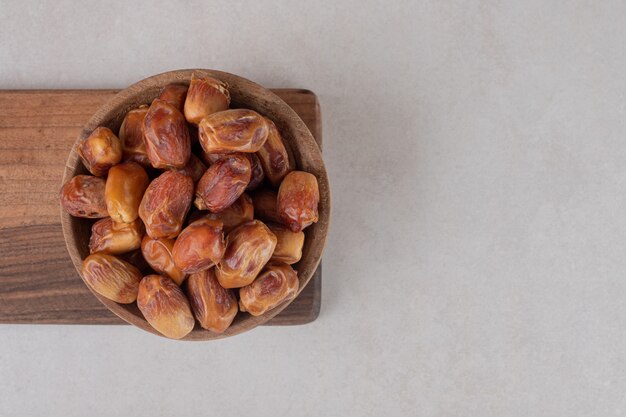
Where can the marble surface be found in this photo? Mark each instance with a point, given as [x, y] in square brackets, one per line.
[476, 261]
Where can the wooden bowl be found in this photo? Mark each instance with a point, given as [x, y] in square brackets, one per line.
[244, 93]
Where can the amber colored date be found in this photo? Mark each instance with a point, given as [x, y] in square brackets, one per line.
[174, 94]
[214, 306]
[100, 151]
[256, 174]
[199, 246]
[131, 136]
[223, 183]
[256, 170]
[166, 136]
[205, 96]
[236, 130]
[125, 186]
[248, 248]
[112, 277]
[165, 204]
[194, 168]
[297, 201]
[114, 238]
[165, 306]
[237, 213]
[288, 244]
[265, 207]
[276, 284]
[275, 156]
[83, 196]
[158, 254]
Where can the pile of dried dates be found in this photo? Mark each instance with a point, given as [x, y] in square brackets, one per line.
[205, 197]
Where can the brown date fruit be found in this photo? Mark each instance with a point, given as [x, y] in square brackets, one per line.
[256, 174]
[275, 157]
[174, 94]
[223, 183]
[100, 151]
[112, 277]
[165, 306]
[131, 136]
[237, 213]
[115, 238]
[277, 283]
[194, 168]
[236, 130]
[205, 96]
[265, 207]
[83, 196]
[165, 204]
[248, 248]
[297, 201]
[125, 186]
[158, 254]
[166, 136]
[214, 306]
[288, 244]
[199, 246]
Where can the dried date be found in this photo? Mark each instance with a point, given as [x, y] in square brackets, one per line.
[248, 248]
[165, 204]
[276, 284]
[83, 196]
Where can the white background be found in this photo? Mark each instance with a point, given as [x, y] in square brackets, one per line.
[476, 264]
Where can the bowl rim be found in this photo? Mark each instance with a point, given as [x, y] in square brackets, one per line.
[115, 108]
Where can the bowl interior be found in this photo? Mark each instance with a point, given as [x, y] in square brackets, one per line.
[244, 93]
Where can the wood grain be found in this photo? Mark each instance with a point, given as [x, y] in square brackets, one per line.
[38, 282]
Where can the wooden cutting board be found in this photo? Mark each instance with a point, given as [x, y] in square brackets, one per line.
[38, 283]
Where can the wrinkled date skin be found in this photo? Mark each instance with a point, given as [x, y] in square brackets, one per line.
[131, 136]
[223, 183]
[114, 238]
[265, 207]
[83, 196]
[112, 277]
[248, 248]
[276, 284]
[125, 186]
[214, 306]
[297, 201]
[236, 130]
[100, 151]
[174, 94]
[288, 244]
[165, 204]
[166, 136]
[158, 254]
[237, 213]
[165, 306]
[205, 96]
[194, 168]
[275, 156]
[256, 175]
[256, 170]
[199, 246]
